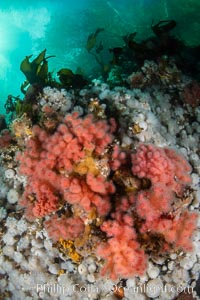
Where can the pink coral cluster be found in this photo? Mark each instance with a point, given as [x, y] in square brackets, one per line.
[123, 255]
[149, 212]
[177, 230]
[48, 162]
[92, 192]
[62, 172]
[169, 174]
[161, 165]
[65, 228]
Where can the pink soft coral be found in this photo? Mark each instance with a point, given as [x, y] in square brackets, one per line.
[48, 163]
[61, 168]
[176, 231]
[65, 228]
[169, 174]
[85, 194]
[154, 202]
[122, 253]
[162, 165]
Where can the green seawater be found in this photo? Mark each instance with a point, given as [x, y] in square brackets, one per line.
[62, 27]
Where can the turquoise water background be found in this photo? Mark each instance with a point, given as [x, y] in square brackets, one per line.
[62, 27]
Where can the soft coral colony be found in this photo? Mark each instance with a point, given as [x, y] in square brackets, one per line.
[121, 205]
